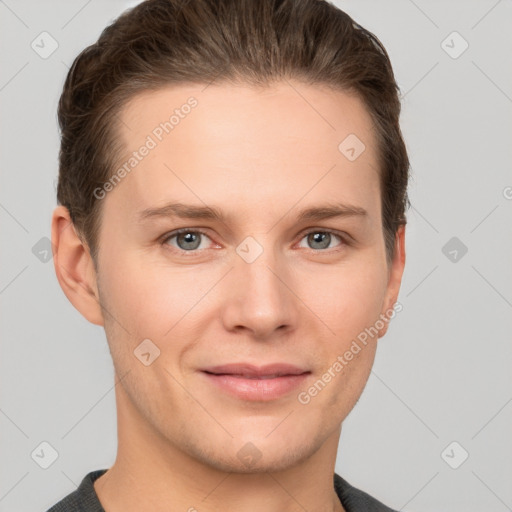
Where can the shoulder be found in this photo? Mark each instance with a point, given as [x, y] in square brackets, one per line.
[83, 499]
[355, 500]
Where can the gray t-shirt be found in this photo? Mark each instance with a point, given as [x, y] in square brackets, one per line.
[85, 499]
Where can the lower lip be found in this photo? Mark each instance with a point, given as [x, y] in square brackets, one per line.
[257, 389]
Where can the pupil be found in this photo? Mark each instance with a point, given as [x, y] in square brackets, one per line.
[322, 238]
[190, 240]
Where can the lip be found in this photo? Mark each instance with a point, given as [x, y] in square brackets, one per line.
[250, 370]
[256, 383]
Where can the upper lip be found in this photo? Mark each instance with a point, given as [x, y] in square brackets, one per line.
[250, 370]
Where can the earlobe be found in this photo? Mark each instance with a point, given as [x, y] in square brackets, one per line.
[395, 276]
[74, 267]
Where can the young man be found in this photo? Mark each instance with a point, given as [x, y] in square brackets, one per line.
[232, 198]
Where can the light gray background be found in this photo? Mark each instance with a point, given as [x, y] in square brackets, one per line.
[442, 373]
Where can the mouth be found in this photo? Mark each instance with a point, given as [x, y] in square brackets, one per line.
[247, 376]
[249, 382]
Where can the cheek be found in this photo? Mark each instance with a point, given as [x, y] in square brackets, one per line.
[348, 299]
[150, 299]
[169, 306]
[350, 306]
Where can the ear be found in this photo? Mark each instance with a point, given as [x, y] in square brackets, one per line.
[396, 271]
[74, 267]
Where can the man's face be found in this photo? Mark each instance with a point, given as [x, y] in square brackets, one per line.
[259, 287]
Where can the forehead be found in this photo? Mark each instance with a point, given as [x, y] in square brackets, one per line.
[305, 112]
[246, 146]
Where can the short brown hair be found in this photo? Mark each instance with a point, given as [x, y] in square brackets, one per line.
[163, 42]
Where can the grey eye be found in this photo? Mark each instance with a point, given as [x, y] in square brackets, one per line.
[190, 240]
[186, 240]
[319, 240]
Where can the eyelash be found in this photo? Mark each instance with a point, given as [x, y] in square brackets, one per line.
[344, 239]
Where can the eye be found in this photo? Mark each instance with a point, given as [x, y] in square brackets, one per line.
[192, 240]
[186, 239]
[321, 239]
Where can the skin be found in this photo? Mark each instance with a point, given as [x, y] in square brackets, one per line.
[260, 155]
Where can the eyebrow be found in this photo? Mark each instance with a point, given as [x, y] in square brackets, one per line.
[188, 211]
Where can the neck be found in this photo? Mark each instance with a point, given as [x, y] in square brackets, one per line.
[156, 475]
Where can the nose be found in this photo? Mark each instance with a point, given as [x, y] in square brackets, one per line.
[260, 297]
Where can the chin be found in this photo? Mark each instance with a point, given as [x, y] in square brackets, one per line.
[259, 455]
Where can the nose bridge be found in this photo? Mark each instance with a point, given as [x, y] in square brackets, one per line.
[260, 299]
[259, 263]
[260, 273]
